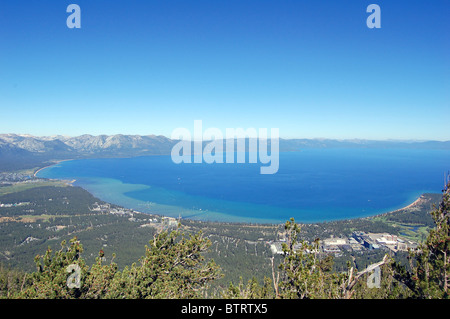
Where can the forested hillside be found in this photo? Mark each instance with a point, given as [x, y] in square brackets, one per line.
[130, 255]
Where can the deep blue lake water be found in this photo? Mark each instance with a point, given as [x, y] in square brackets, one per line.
[310, 185]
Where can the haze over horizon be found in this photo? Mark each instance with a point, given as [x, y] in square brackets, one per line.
[56, 136]
[312, 69]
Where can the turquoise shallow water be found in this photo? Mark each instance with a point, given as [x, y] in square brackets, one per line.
[311, 185]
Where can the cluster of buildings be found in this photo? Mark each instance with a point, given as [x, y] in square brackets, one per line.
[366, 241]
[383, 240]
[14, 205]
[160, 223]
[7, 177]
[163, 224]
[358, 241]
[107, 209]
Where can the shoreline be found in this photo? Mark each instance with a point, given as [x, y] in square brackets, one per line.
[418, 201]
[54, 163]
[421, 199]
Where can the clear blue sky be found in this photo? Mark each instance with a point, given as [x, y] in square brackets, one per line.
[310, 68]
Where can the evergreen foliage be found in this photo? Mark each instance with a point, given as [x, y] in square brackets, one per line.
[173, 267]
[304, 275]
[179, 265]
[430, 263]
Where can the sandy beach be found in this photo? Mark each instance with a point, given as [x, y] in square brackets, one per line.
[55, 163]
[417, 202]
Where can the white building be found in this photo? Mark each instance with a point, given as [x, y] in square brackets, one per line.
[335, 241]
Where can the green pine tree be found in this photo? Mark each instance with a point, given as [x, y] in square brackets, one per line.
[428, 277]
[303, 274]
[173, 267]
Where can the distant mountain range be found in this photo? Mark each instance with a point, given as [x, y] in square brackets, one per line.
[86, 145]
[26, 151]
